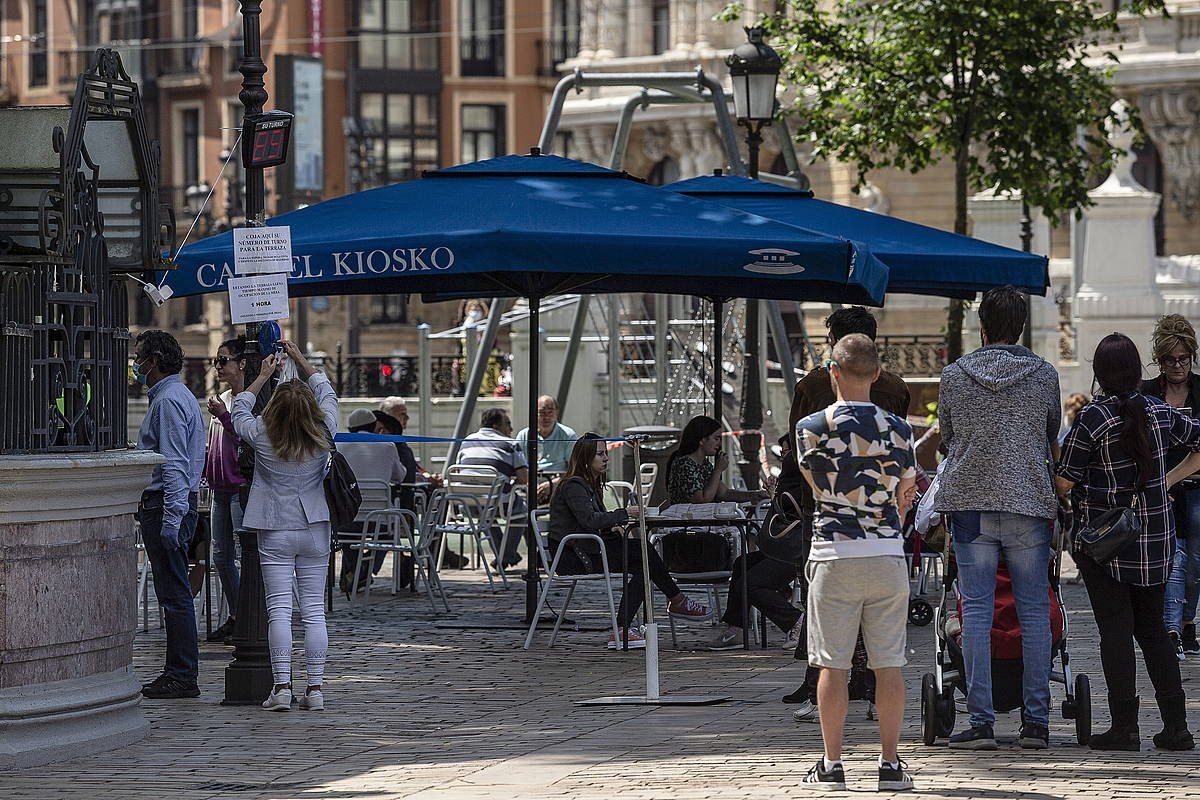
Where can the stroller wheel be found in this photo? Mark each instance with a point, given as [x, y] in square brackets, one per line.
[920, 612]
[1083, 710]
[929, 716]
[945, 712]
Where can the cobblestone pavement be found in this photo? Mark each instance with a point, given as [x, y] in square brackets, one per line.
[421, 711]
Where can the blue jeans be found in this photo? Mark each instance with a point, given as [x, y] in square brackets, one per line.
[225, 518]
[1183, 587]
[980, 538]
[171, 586]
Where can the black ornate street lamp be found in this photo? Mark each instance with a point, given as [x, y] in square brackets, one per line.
[754, 71]
[248, 679]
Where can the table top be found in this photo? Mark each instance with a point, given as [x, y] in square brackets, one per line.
[659, 521]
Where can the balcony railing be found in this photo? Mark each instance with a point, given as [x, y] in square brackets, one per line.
[481, 56]
[181, 61]
[908, 356]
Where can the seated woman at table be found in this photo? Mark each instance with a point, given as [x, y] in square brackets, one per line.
[692, 477]
[577, 507]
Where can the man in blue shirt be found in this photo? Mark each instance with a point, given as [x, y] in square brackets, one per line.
[174, 429]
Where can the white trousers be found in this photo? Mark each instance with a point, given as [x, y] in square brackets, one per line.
[305, 555]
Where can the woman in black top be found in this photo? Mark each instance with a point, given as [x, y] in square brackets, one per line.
[576, 507]
[1175, 353]
[1113, 455]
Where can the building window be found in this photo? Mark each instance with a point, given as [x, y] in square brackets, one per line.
[482, 132]
[481, 37]
[389, 309]
[398, 34]
[189, 132]
[660, 25]
[564, 29]
[408, 133]
[1148, 171]
[38, 57]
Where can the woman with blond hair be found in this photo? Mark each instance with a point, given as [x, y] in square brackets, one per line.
[1175, 347]
[287, 506]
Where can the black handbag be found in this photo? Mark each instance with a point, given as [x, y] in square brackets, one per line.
[341, 490]
[1110, 533]
[690, 552]
[783, 536]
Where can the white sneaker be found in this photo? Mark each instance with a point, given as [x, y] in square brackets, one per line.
[806, 712]
[312, 701]
[637, 640]
[279, 701]
[793, 638]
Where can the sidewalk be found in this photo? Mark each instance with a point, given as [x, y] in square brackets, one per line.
[419, 711]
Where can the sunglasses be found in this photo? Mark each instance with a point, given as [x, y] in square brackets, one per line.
[220, 361]
[1168, 361]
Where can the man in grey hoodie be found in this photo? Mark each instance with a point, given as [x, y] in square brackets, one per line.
[998, 409]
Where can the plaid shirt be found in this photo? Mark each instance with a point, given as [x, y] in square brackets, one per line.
[1105, 477]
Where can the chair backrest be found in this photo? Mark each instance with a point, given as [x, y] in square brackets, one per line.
[376, 496]
[617, 494]
[541, 522]
[484, 484]
[646, 478]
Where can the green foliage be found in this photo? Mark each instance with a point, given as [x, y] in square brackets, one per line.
[1013, 91]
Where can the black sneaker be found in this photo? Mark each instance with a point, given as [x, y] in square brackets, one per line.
[222, 633]
[1177, 644]
[895, 779]
[1034, 736]
[821, 780]
[978, 738]
[1190, 645]
[167, 688]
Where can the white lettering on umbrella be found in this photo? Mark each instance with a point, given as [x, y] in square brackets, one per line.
[433, 257]
[378, 269]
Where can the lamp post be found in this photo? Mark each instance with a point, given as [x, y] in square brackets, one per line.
[248, 679]
[754, 72]
[1027, 247]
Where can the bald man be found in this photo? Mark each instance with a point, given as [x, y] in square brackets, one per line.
[555, 441]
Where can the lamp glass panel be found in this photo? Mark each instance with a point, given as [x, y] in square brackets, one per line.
[762, 95]
[741, 98]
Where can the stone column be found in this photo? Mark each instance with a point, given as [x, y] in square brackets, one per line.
[996, 218]
[589, 22]
[707, 154]
[1119, 290]
[705, 27]
[639, 29]
[68, 601]
[683, 27]
[605, 31]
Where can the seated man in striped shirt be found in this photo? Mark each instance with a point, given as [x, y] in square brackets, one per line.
[493, 446]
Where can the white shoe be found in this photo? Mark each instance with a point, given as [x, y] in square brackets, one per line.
[312, 701]
[279, 701]
[806, 712]
[793, 638]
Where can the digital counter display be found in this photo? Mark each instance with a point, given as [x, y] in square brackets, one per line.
[265, 139]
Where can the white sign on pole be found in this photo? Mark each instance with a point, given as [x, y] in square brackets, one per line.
[258, 298]
[262, 251]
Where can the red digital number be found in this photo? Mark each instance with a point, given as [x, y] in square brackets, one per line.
[275, 144]
[261, 147]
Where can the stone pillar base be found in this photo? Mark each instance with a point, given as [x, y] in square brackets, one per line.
[65, 719]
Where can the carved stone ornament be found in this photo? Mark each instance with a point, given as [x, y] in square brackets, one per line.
[1172, 117]
[654, 144]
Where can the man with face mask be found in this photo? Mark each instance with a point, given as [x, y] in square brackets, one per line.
[1175, 346]
[174, 429]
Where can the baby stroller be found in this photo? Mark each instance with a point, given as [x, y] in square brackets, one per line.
[938, 687]
[919, 549]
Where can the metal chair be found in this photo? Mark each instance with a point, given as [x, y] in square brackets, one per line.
[646, 479]
[617, 494]
[470, 507]
[395, 531]
[540, 518]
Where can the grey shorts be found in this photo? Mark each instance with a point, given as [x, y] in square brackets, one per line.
[847, 593]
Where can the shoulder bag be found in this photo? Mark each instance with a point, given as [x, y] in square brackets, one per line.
[1110, 533]
[783, 535]
[341, 489]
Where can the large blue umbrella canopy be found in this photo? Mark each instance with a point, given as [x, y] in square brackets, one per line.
[539, 225]
[920, 259]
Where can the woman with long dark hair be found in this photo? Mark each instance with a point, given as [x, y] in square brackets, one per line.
[691, 477]
[225, 478]
[1113, 456]
[576, 507]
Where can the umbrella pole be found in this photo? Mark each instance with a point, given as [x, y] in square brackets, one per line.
[531, 442]
[718, 345]
[653, 696]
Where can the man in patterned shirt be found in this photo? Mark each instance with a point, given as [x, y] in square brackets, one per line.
[861, 465]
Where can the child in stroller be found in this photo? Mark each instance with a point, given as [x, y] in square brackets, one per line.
[938, 687]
